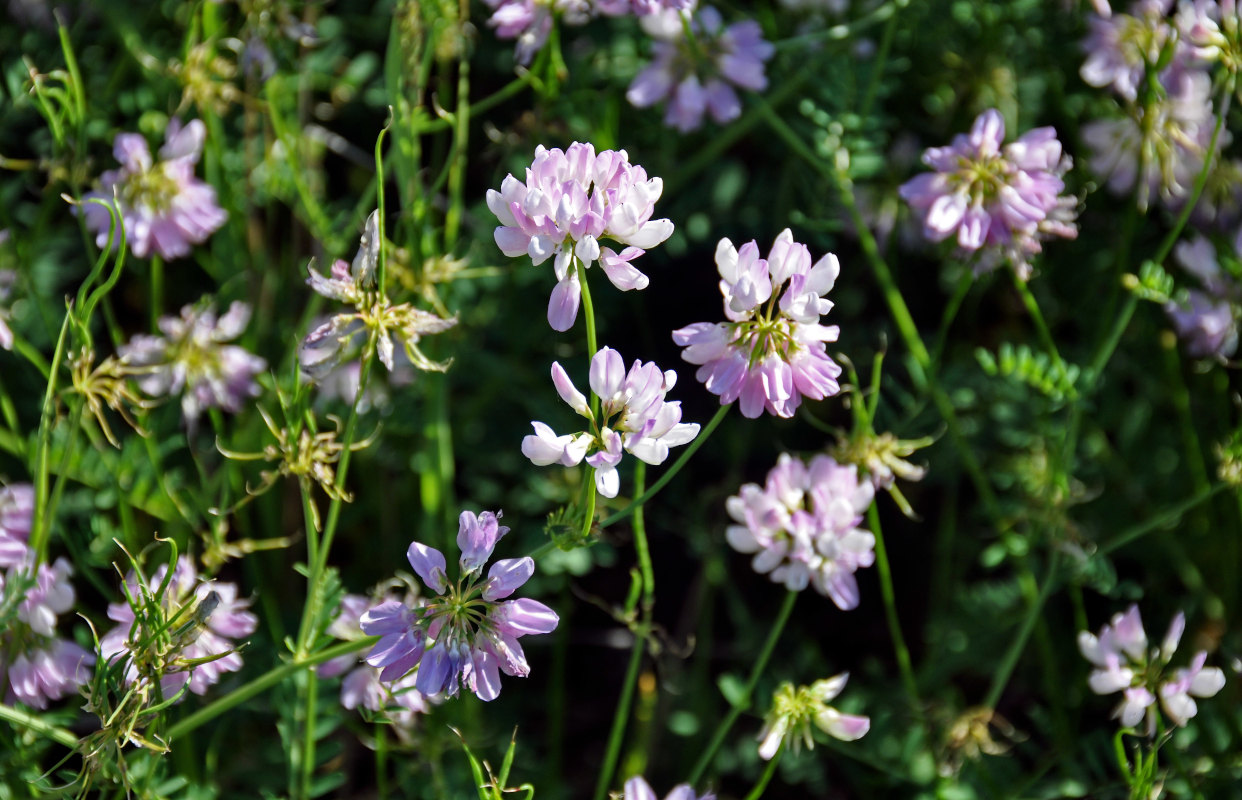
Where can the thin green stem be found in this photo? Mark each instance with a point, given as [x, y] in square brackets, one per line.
[668, 475]
[890, 612]
[964, 283]
[1160, 521]
[1035, 599]
[762, 784]
[42, 522]
[877, 68]
[17, 716]
[156, 301]
[308, 733]
[588, 311]
[1037, 317]
[743, 703]
[264, 682]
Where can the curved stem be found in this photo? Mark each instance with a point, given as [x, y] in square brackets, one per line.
[766, 777]
[743, 703]
[37, 724]
[670, 472]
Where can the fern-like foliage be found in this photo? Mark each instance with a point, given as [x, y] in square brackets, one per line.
[1053, 378]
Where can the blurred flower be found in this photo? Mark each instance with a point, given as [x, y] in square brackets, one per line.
[637, 788]
[793, 711]
[379, 318]
[1211, 31]
[7, 278]
[530, 21]
[464, 636]
[1205, 320]
[192, 359]
[1120, 47]
[770, 354]
[398, 701]
[1001, 199]
[16, 517]
[693, 73]
[163, 207]
[802, 526]
[182, 637]
[47, 672]
[1124, 664]
[1158, 147]
[569, 202]
[633, 416]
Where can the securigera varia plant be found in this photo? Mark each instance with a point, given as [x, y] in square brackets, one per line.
[468, 633]
[572, 200]
[1124, 664]
[772, 352]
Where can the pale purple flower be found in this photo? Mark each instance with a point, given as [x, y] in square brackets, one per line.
[1211, 31]
[530, 22]
[1205, 320]
[570, 202]
[375, 317]
[466, 635]
[193, 360]
[16, 516]
[803, 526]
[1120, 47]
[1000, 198]
[163, 207]
[772, 352]
[697, 77]
[48, 671]
[1158, 148]
[50, 595]
[633, 417]
[637, 788]
[208, 616]
[7, 278]
[794, 710]
[1124, 664]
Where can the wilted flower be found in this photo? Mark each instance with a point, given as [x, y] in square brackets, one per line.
[793, 711]
[693, 75]
[464, 636]
[770, 354]
[569, 202]
[882, 456]
[1206, 320]
[633, 416]
[1001, 199]
[1158, 147]
[163, 207]
[802, 526]
[181, 637]
[637, 788]
[192, 359]
[375, 315]
[398, 700]
[1124, 664]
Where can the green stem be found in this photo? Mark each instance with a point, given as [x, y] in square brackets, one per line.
[16, 716]
[964, 283]
[41, 521]
[1035, 600]
[588, 311]
[308, 733]
[156, 300]
[670, 472]
[1160, 521]
[1037, 317]
[264, 682]
[877, 69]
[890, 612]
[766, 777]
[743, 703]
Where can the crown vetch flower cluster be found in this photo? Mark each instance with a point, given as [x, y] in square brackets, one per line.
[530, 21]
[695, 75]
[802, 526]
[1124, 664]
[1206, 319]
[633, 417]
[355, 284]
[794, 709]
[637, 788]
[184, 636]
[35, 664]
[772, 350]
[163, 207]
[192, 359]
[569, 202]
[1002, 197]
[465, 636]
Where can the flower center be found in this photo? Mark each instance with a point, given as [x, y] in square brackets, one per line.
[153, 189]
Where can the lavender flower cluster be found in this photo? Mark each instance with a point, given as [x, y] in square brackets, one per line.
[530, 21]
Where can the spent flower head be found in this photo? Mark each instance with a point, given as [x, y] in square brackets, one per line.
[882, 457]
[164, 208]
[571, 201]
[467, 634]
[633, 417]
[1000, 200]
[193, 359]
[772, 352]
[802, 526]
[1124, 663]
[698, 61]
[374, 315]
[794, 709]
